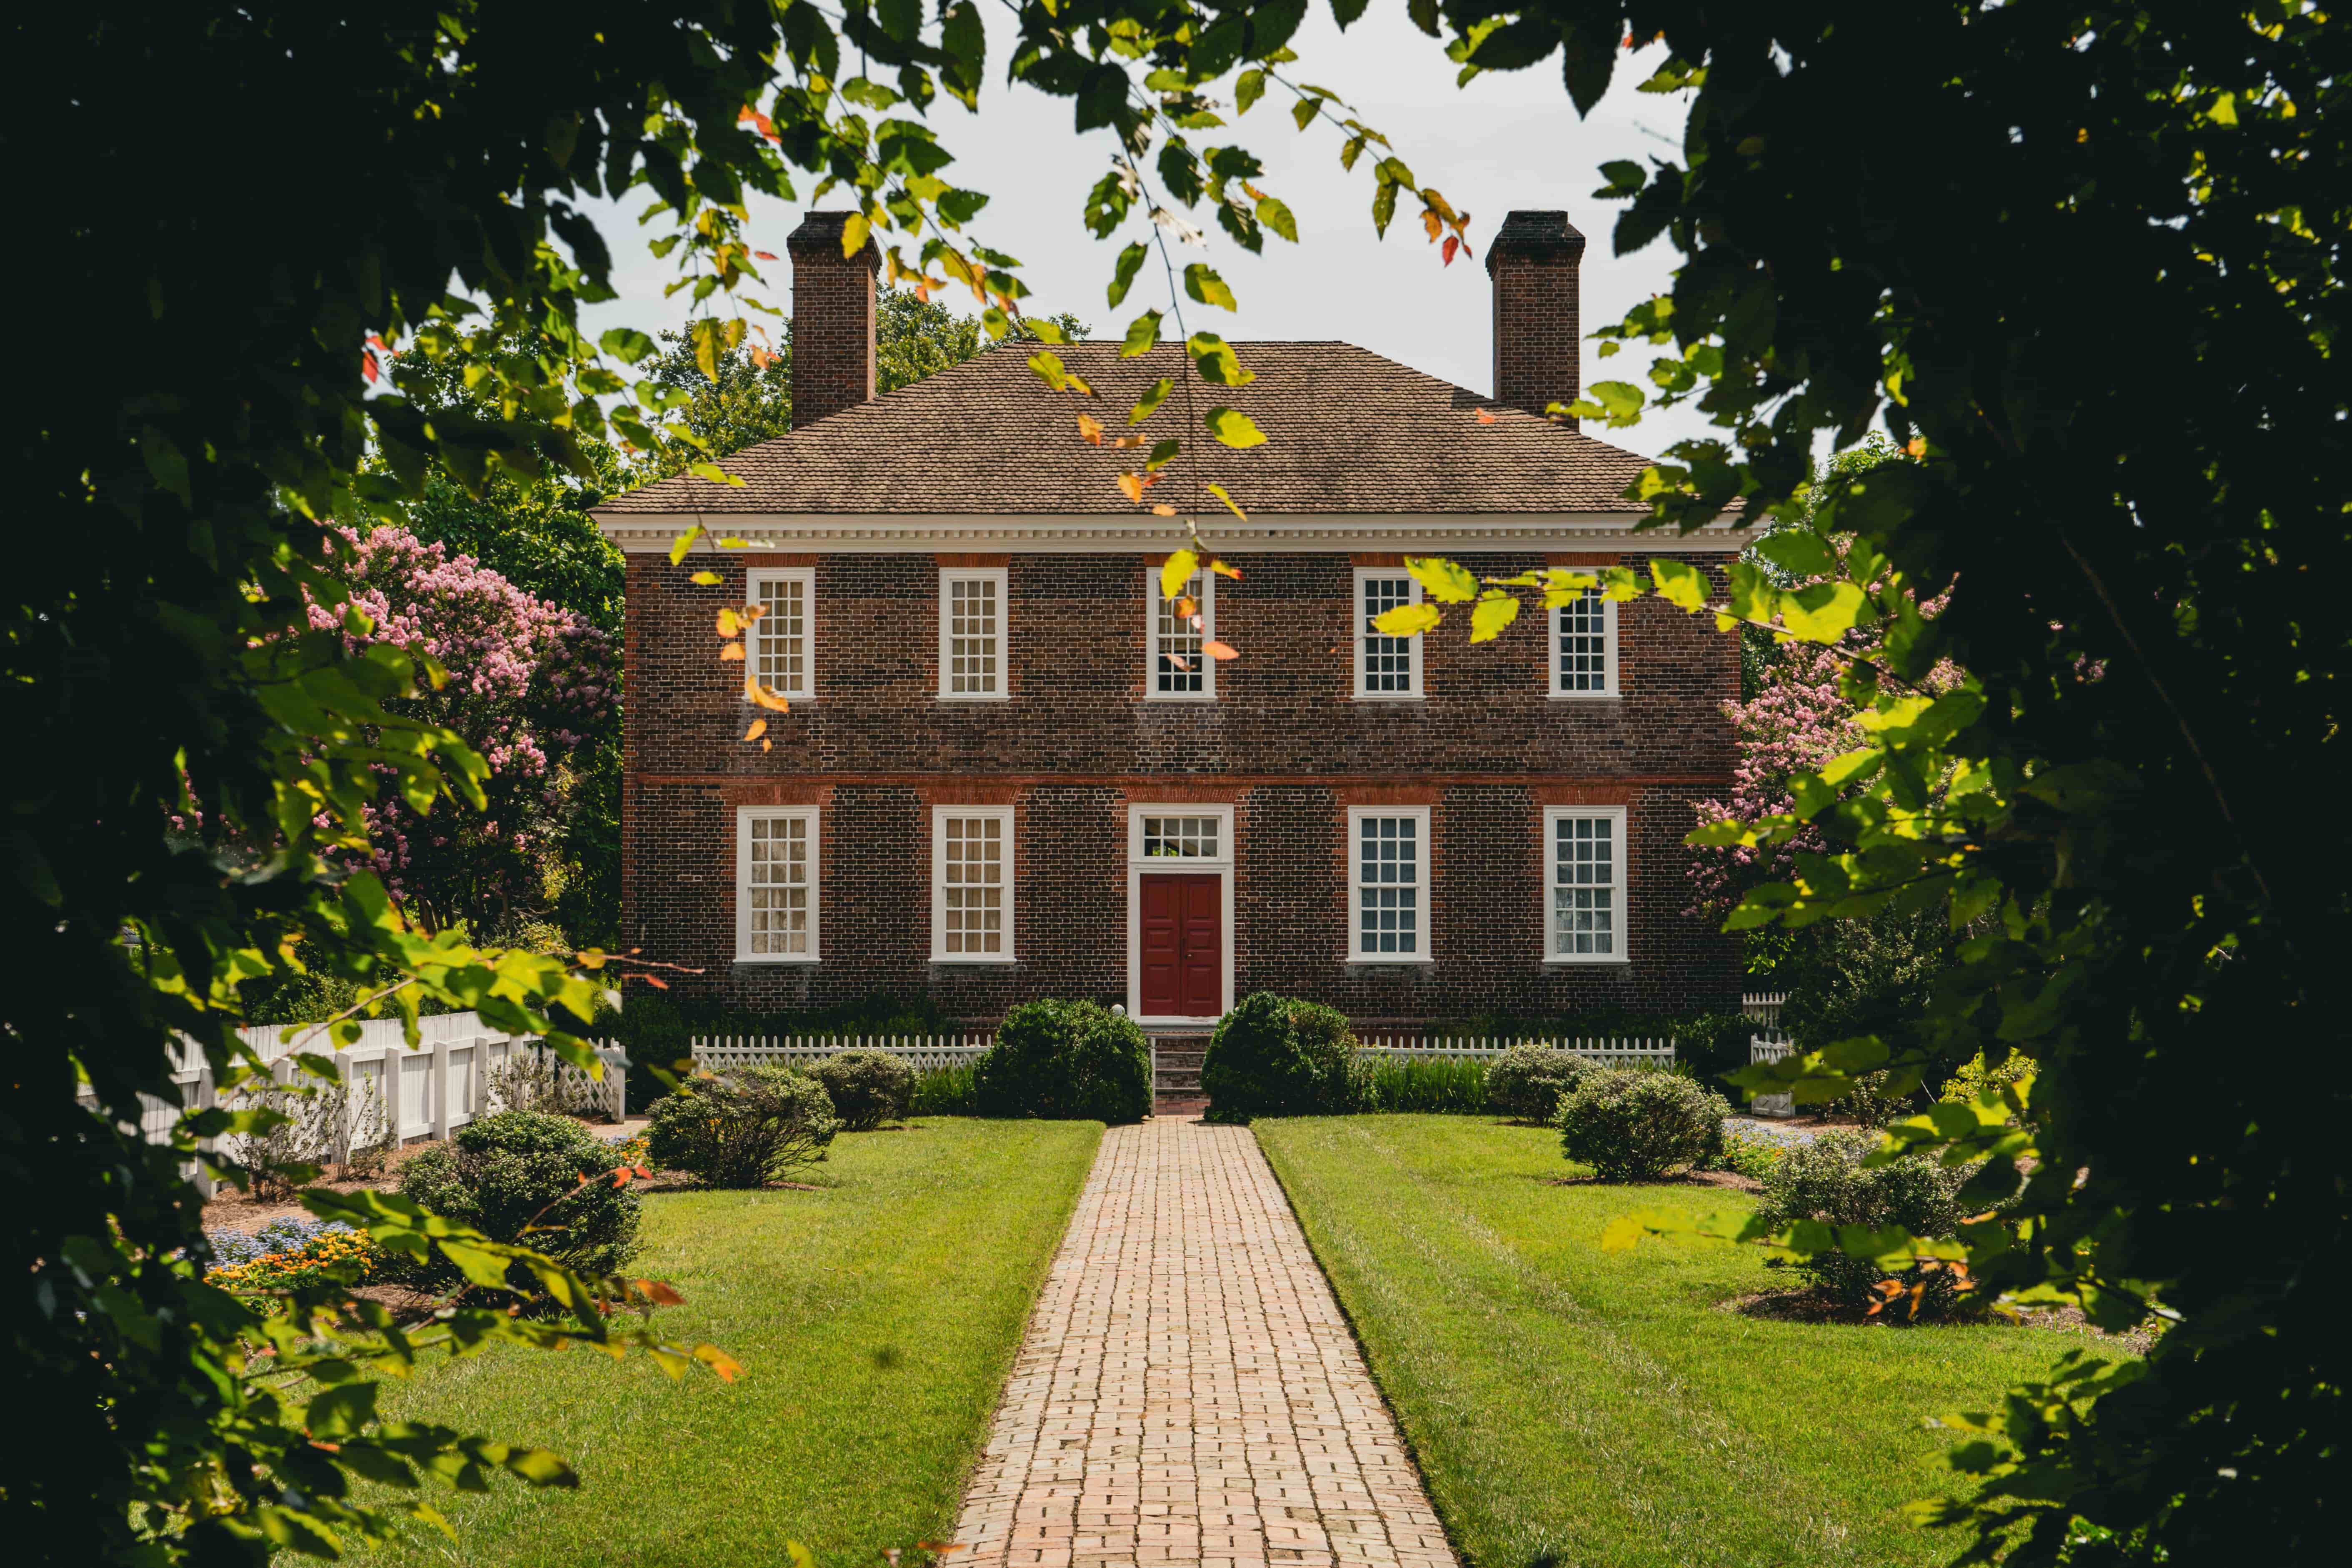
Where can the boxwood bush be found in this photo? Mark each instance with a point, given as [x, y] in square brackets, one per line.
[746, 1128]
[1065, 1060]
[1277, 1055]
[868, 1088]
[497, 1172]
[1527, 1080]
[1637, 1125]
[1825, 1180]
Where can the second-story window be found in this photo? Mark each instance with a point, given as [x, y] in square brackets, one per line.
[1387, 668]
[1176, 632]
[783, 635]
[1584, 647]
[971, 633]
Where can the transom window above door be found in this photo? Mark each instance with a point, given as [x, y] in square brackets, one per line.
[1181, 837]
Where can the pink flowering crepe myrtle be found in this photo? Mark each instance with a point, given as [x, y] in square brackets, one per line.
[531, 686]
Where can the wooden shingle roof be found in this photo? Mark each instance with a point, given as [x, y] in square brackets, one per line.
[1347, 431]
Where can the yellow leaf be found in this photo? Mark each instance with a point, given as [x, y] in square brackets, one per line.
[759, 727]
[1230, 505]
[1824, 611]
[763, 697]
[731, 653]
[1621, 1234]
[714, 473]
[728, 1368]
[683, 542]
[1090, 429]
[1443, 581]
[1177, 573]
[1233, 427]
[1221, 569]
[767, 745]
[1163, 510]
[1494, 611]
[1679, 583]
[729, 623]
[1131, 486]
[705, 579]
[1407, 620]
[853, 230]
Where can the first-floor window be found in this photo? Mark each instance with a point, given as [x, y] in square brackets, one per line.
[1389, 855]
[972, 884]
[1584, 849]
[776, 884]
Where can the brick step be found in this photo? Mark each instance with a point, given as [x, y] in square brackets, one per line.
[1174, 1059]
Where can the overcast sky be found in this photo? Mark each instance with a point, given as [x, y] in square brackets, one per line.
[1506, 141]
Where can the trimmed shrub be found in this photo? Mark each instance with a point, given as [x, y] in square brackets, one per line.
[868, 1088]
[1635, 1125]
[752, 1126]
[1272, 1056]
[1448, 1084]
[1527, 1080]
[1825, 1180]
[1065, 1061]
[499, 1172]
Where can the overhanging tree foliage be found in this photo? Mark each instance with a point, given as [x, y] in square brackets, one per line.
[2089, 257]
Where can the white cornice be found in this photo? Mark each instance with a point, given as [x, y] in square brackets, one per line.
[1464, 532]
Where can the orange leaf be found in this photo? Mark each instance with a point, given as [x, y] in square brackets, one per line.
[621, 1177]
[1221, 569]
[728, 1368]
[1453, 244]
[1090, 429]
[1221, 651]
[765, 254]
[1178, 659]
[1485, 416]
[644, 1174]
[1131, 486]
[376, 340]
[762, 696]
[1163, 510]
[368, 366]
[759, 727]
[732, 654]
[767, 745]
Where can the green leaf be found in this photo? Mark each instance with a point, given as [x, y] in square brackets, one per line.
[1679, 583]
[1177, 573]
[540, 1467]
[1799, 552]
[1248, 88]
[1131, 261]
[1822, 613]
[1276, 216]
[341, 1411]
[1162, 454]
[1216, 362]
[483, 1268]
[713, 472]
[1049, 369]
[1142, 333]
[1233, 427]
[1149, 402]
[855, 230]
[1620, 401]
[1407, 620]
[1230, 505]
[1443, 580]
[1494, 610]
[1203, 284]
[626, 344]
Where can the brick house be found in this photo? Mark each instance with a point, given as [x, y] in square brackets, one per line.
[1007, 772]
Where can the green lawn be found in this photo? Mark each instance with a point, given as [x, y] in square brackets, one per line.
[876, 1320]
[1602, 1410]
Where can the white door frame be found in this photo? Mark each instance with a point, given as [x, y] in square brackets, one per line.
[1220, 865]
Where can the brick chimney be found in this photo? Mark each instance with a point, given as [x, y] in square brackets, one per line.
[1533, 262]
[832, 320]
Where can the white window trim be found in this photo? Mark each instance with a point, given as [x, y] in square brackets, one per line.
[1427, 884]
[1608, 693]
[744, 817]
[1151, 602]
[1551, 815]
[806, 577]
[1221, 865]
[1357, 634]
[939, 815]
[1002, 579]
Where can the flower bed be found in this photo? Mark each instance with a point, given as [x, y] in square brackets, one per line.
[287, 1254]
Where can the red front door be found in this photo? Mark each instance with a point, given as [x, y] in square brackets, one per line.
[1183, 963]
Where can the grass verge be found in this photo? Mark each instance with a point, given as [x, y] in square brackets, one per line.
[1572, 1408]
[876, 1319]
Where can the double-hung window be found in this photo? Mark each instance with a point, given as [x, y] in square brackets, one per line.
[1388, 855]
[1584, 884]
[1387, 668]
[1584, 647]
[1175, 632]
[776, 884]
[971, 634]
[782, 641]
[972, 884]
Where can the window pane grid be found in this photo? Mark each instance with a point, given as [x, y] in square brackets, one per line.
[1388, 886]
[1584, 887]
[973, 909]
[782, 635]
[1388, 661]
[972, 636]
[779, 888]
[1177, 663]
[1581, 654]
[1190, 838]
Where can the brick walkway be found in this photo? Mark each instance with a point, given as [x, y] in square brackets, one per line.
[1188, 1391]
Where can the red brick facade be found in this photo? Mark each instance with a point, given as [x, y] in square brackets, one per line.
[1533, 263]
[832, 320]
[1284, 744]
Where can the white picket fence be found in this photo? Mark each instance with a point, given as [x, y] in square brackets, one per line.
[393, 1094]
[1764, 1007]
[922, 1052]
[1611, 1052]
[1771, 1046]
